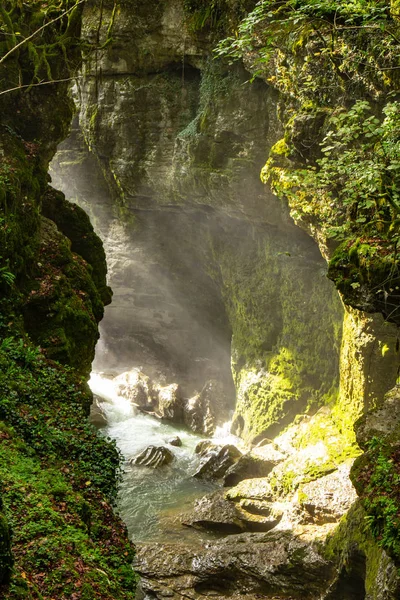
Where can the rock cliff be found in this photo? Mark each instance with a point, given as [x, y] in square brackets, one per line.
[57, 477]
[213, 279]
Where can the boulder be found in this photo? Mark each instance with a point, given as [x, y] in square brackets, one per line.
[251, 489]
[97, 415]
[138, 388]
[207, 447]
[259, 516]
[216, 463]
[175, 441]
[153, 456]
[170, 403]
[328, 498]
[203, 412]
[249, 466]
[214, 513]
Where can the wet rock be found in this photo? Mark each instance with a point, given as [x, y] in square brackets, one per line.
[259, 517]
[170, 403]
[328, 498]
[248, 466]
[203, 412]
[175, 441]
[269, 452]
[207, 446]
[214, 513]
[136, 387]
[153, 456]
[216, 464]
[387, 583]
[251, 489]
[97, 416]
[246, 566]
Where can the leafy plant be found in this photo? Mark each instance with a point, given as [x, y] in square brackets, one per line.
[6, 276]
[377, 478]
[356, 184]
[59, 480]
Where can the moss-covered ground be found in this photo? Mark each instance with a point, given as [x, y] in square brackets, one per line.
[58, 484]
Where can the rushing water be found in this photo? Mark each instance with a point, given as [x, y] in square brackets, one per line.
[150, 500]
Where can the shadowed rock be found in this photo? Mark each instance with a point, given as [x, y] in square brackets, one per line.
[244, 567]
[248, 467]
[218, 462]
[97, 415]
[175, 441]
[214, 513]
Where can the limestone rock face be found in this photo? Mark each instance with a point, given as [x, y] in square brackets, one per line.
[203, 261]
[382, 421]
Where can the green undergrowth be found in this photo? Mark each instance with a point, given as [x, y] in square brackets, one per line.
[215, 15]
[59, 481]
[376, 477]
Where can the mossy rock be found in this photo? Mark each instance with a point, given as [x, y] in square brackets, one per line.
[62, 306]
[366, 271]
[75, 224]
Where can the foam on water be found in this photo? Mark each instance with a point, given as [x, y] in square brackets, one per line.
[147, 496]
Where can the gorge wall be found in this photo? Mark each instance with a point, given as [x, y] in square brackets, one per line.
[206, 265]
[215, 287]
[58, 534]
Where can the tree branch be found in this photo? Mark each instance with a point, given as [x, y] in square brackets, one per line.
[30, 85]
[38, 31]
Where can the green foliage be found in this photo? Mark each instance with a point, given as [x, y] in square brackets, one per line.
[213, 15]
[376, 476]
[59, 478]
[6, 276]
[355, 186]
[18, 26]
[335, 31]
[335, 65]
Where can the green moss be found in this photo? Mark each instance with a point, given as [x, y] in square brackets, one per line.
[376, 477]
[280, 362]
[366, 272]
[351, 537]
[58, 479]
[74, 223]
[6, 560]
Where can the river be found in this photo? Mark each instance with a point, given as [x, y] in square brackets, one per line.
[151, 500]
